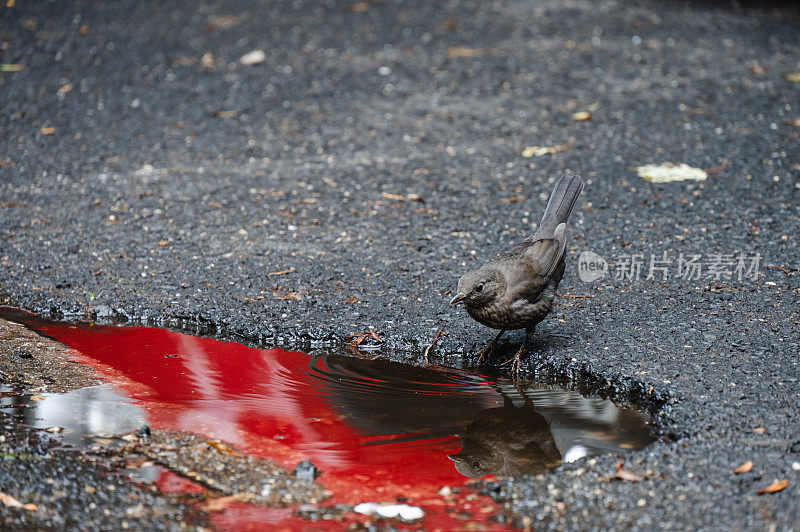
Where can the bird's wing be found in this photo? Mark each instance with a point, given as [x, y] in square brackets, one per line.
[546, 252]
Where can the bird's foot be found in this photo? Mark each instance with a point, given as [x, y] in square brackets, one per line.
[485, 353]
[488, 352]
[516, 362]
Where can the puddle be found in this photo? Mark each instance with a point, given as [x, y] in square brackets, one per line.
[376, 430]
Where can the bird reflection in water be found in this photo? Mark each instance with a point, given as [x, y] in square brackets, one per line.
[377, 420]
[507, 441]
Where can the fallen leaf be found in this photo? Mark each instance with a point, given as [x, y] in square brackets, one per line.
[794, 122]
[253, 58]
[288, 296]
[163, 243]
[538, 151]
[622, 474]
[396, 197]
[515, 199]
[8, 500]
[11, 67]
[759, 430]
[207, 61]
[223, 448]
[224, 114]
[462, 51]
[47, 130]
[668, 172]
[400, 197]
[356, 339]
[744, 468]
[65, 88]
[582, 116]
[775, 487]
[794, 77]
[221, 503]
[360, 7]
[83, 30]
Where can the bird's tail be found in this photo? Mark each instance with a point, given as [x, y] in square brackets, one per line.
[562, 200]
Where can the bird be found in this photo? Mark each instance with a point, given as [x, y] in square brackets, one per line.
[507, 441]
[515, 289]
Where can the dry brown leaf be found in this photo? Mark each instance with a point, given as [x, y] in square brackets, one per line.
[744, 468]
[794, 122]
[775, 487]
[221, 503]
[288, 296]
[47, 130]
[759, 430]
[515, 199]
[622, 474]
[163, 243]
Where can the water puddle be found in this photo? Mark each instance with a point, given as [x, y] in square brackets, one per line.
[377, 431]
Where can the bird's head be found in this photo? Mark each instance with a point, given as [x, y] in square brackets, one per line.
[479, 288]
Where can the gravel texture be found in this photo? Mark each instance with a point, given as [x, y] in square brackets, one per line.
[377, 154]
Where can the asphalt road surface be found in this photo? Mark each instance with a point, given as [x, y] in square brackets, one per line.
[377, 150]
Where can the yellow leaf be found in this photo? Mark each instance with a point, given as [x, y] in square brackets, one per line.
[668, 172]
[581, 116]
[538, 151]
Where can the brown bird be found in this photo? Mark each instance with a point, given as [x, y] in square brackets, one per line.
[516, 288]
[507, 441]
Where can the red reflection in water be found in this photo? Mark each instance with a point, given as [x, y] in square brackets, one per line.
[270, 403]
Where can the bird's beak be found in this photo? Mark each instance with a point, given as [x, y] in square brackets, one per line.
[459, 297]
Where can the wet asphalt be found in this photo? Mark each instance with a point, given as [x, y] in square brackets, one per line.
[147, 175]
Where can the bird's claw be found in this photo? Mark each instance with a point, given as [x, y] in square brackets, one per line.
[484, 353]
[516, 362]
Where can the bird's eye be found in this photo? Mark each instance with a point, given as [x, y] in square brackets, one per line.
[479, 288]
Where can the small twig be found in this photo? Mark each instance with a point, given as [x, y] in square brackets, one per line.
[719, 168]
[781, 268]
[576, 297]
[428, 349]
[283, 272]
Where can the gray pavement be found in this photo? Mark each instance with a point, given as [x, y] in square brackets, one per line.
[377, 153]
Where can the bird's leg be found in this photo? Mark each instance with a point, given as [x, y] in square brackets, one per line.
[489, 350]
[516, 362]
